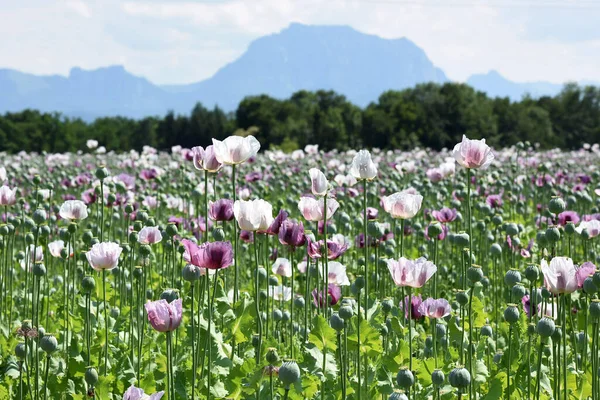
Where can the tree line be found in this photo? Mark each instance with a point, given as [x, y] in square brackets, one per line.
[427, 115]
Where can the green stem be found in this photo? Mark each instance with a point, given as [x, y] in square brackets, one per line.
[105, 323]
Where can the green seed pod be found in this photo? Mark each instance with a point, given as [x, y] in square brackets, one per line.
[145, 250]
[517, 292]
[190, 273]
[570, 228]
[387, 305]
[557, 334]
[438, 377]
[511, 314]
[486, 330]
[170, 295]
[462, 297]
[262, 274]
[405, 378]
[273, 281]
[495, 249]
[101, 172]
[474, 273]
[346, 312]
[277, 315]
[272, 357]
[21, 351]
[546, 327]
[286, 316]
[218, 234]
[557, 205]
[336, 322]
[552, 234]
[359, 282]
[299, 302]
[39, 269]
[460, 378]
[88, 284]
[48, 343]
[512, 229]
[461, 239]
[589, 287]
[512, 277]
[532, 273]
[434, 229]
[594, 309]
[289, 373]
[398, 396]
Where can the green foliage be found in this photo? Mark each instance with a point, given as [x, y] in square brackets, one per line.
[428, 115]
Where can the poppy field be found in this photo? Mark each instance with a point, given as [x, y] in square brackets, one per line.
[235, 272]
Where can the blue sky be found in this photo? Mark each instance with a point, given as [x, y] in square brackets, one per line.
[182, 41]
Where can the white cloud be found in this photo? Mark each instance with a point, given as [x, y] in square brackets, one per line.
[186, 41]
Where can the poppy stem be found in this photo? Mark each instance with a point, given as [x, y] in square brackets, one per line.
[105, 323]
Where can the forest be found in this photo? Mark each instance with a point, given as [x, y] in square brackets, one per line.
[429, 115]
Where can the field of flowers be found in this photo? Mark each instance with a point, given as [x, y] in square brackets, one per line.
[231, 272]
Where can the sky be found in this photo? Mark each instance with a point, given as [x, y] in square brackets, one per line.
[184, 41]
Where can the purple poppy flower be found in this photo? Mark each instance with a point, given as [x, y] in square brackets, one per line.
[415, 303]
[221, 210]
[334, 293]
[494, 200]
[586, 269]
[276, 224]
[445, 215]
[211, 255]
[164, 316]
[435, 308]
[292, 234]
[568, 216]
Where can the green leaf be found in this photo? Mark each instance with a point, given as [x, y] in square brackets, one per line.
[241, 329]
[330, 364]
[322, 335]
[496, 387]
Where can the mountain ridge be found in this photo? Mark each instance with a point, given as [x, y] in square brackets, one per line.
[358, 65]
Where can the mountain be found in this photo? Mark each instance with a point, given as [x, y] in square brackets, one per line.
[495, 85]
[339, 58]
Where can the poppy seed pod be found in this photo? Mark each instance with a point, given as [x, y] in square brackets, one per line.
[511, 314]
[495, 249]
[486, 330]
[88, 284]
[405, 378]
[462, 297]
[594, 309]
[386, 305]
[39, 269]
[475, 273]
[512, 277]
[397, 396]
[48, 343]
[359, 282]
[557, 334]
[532, 273]
[170, 295]
[570, 228]
[346, 312]
[101, 173]
[589, 287]
[512, 229]
[459, 378]
[272, 357]
[190, 273]
[438, 377]
[557, 205]
[552, 235]
[517, 292]
[336, 322]
[289, 373]
[218, 234]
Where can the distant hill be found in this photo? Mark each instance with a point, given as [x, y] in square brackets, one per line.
[339, 58]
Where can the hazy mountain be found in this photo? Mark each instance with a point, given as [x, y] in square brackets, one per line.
[340, 58]
[495, 85]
